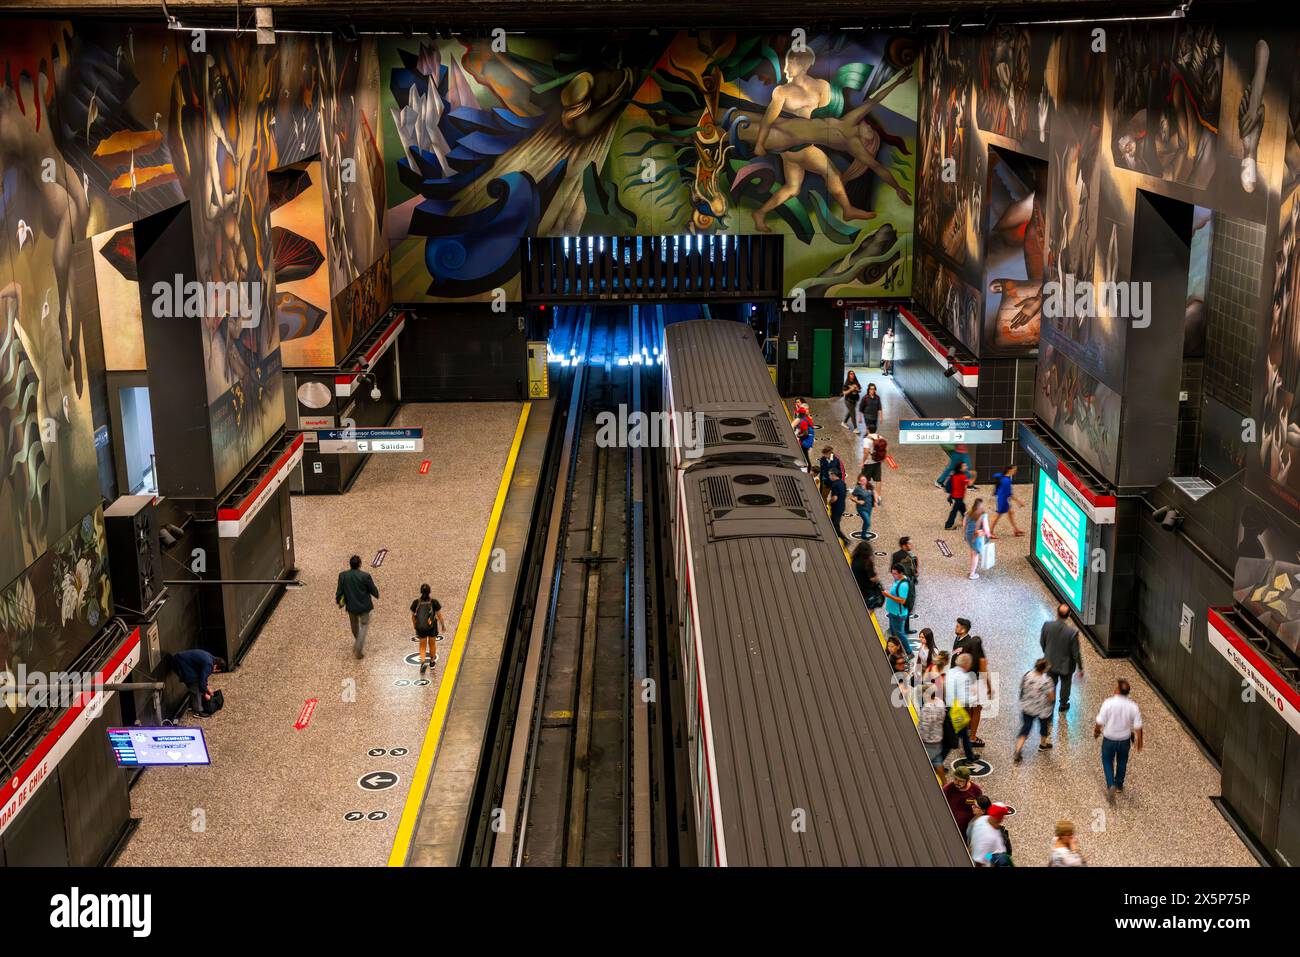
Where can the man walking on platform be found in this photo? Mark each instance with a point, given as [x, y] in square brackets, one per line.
[1059, 640]
[1119, 725]
[355, 593]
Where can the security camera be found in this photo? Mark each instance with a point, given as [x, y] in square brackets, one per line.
[375, 394]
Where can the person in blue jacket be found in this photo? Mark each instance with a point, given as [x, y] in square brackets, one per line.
[194, 667]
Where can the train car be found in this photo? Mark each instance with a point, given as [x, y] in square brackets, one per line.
[721, 403]
[801, 752]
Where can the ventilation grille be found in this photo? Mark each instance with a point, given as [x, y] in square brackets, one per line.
[767, 430]
[787, 490]
[717, 488]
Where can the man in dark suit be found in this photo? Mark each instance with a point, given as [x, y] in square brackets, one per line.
[356, 593]
[1060, 643]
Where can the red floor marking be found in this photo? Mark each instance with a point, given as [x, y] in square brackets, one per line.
[304, 716]
[424, 467]
[890, 460]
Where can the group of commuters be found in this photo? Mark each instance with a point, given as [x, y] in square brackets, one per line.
[950, 687]
[978, 530]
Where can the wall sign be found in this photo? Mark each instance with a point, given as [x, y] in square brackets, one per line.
[345, 441]
[1250, 664]
[950, 431]
[1185, 628]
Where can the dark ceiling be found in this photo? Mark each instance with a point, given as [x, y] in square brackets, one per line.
[569, 15]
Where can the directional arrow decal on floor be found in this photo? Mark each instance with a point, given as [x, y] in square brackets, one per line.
[377, 781]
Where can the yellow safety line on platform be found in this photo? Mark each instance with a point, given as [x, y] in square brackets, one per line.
[433, 734]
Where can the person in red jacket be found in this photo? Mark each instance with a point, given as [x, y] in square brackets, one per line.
[957, 485]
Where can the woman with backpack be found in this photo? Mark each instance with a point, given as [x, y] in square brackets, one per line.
[874, 451]
[804, 429]
[426, 617]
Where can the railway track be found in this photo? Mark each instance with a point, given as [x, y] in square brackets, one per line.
[577, 788]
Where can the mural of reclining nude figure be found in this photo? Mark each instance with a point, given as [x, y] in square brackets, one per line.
[807, 114]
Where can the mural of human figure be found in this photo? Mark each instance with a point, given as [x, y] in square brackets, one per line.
[801, 119]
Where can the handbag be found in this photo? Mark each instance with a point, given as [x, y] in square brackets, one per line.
[990, 555]
[960, 716]
[216, 702]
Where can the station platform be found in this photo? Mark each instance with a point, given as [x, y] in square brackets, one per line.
[315, 751]
[1165, 817]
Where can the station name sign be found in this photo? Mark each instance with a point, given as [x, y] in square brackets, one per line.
[950, 431]
[352, 441]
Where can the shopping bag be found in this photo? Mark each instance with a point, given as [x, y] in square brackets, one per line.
[990, 557]
[959, 715]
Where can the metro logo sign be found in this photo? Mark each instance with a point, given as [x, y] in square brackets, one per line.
[1250, 664]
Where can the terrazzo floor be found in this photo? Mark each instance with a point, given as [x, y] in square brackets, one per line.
[1165, 816]
[276, 795]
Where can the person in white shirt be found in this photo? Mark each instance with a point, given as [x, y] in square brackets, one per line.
[887, 352]
[1119, 725]
[961, 689]
[986, 837]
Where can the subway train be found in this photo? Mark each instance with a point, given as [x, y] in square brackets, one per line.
[799, 751]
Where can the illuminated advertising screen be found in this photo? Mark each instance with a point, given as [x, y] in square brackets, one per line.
[1061, 541]
[142, 747]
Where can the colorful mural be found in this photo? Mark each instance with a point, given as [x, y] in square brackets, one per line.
[302, 285]
[103, 124]
[53, 609]
[1014, 254]
[1079, 408]
[1168, 86]
[706, 133]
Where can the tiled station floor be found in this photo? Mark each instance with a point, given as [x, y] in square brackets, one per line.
[276, 795]
[1165, 816]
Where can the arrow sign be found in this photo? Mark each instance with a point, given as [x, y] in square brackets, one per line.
[377, 781]
[304, 716]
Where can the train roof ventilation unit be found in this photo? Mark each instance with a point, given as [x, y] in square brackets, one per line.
[744, 504]
[740, 428]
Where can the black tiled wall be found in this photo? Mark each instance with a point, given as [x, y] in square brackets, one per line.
[1232, 305]
[1187, 447]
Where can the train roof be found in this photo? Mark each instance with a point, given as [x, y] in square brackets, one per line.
[800, 695]
[715, 368]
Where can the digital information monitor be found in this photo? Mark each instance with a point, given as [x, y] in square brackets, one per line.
[1063, 545]
[148, 747]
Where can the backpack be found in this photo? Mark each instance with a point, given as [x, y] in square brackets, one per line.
[807, 439]
[879, 449]
[424, 616]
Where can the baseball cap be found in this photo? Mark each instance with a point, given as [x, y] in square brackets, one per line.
[998, 810]
[962, 773]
